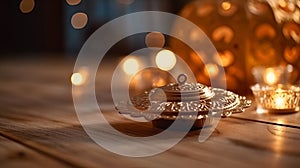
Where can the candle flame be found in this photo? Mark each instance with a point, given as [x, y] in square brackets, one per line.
[270, 77]
[279, 101]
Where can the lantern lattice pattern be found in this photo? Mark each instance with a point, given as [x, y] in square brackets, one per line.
[246, 34]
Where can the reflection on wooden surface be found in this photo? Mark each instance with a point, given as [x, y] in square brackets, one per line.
[39, 127]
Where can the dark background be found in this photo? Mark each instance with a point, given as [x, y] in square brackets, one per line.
[47, 28]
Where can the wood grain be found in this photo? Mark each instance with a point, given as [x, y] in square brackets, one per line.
[37, 111]
[13, 154]
[234, 143]
[288, 119]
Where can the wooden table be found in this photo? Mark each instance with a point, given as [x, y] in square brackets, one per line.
[39, 128]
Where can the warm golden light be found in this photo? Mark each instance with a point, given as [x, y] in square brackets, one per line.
[73, 2]
[292, 31]
[204, 10]
[282, 3]
[279, 101]
[130, 66]
[77, 79]
[195, 35]
[265, 30]
[211, 70]
[280, 121]
[226, 5]
[223, 33]
[260, 110]
[226, 58]
[79, 20]
[278, 142]
[197, 57]
[155, 39]
[165, 60]
[292, 54]
[26, 6]
[270, 77]
[158, 82]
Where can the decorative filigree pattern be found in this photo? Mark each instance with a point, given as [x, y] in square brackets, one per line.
[213, 101]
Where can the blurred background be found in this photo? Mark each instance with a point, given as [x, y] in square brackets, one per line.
[246, 33]
[44, 26]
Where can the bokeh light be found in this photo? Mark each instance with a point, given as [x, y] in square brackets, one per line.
[204, 10]
[73, 2]
[130, 66]
[165, 60]
[291, 54]
[228, 8]
[77, 79]
[26, 6]
[265, 30]
[211, 70]
[155, 39]
[79, 20]
[226, 5]
[270, 77]
[224, 58]
[292, 31]
[80, 77]
[223, 33]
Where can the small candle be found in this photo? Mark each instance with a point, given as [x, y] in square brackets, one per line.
[270, 77]
[277, 99]
[272, 91]
[279, 103]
